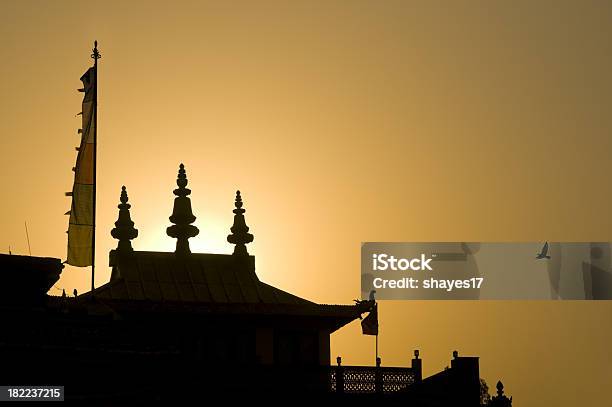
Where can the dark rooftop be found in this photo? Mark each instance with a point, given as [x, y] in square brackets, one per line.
[197, 283]
[210, 278]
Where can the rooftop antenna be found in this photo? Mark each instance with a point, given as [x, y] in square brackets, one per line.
[28, 238]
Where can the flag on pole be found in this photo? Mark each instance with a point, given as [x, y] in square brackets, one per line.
[81, 224]
[369, 325]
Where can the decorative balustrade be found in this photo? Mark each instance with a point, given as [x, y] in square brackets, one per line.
[366, 379]
[373, 379]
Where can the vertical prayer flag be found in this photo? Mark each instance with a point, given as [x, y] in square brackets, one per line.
[81, 224]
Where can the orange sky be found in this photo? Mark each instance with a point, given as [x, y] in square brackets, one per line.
[340, 122]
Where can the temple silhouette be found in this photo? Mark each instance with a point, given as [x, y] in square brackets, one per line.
[179, 325]
[174, 327]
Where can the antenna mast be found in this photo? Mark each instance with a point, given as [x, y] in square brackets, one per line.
[28, 238]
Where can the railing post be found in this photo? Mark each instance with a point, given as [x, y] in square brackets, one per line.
[417, 367]
[339, 376]
[378, 384]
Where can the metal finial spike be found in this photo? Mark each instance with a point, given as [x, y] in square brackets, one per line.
[95, 53]
[182, 216]
[124, 196]
[181, 180]
[238, 202]
[124, 230]
[240, 235]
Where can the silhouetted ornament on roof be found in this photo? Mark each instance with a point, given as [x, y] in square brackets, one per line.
[240, 231]
[200, 283]
[182, 216]
[500, 400]
[124, 230]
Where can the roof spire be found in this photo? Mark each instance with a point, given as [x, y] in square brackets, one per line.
[124, 227]
[95, 54]
[240, 236]
[182, 216]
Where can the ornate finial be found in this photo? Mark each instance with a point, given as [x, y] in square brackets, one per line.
[181, 180]
[501, 400]
[182, 216]
[500, 388]
[124, 227]
[240, 231]
[95, 54]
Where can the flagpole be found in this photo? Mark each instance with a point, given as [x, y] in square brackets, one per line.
[377, 329]
[95, 56]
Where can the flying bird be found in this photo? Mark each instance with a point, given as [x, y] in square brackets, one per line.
[544, 252]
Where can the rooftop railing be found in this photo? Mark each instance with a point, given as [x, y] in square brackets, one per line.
[373, 379]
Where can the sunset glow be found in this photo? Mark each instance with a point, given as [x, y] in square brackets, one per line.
[340, 122]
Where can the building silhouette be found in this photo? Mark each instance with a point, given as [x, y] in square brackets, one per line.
[174, 326]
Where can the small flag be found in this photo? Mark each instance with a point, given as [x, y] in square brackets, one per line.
[369, 325]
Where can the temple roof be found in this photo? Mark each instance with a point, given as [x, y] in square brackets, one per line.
[192, 283]
[202, 283]
[205, 284]
[199, 277]
[27, 277]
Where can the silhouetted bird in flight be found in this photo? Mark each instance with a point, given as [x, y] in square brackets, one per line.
[544, 252]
